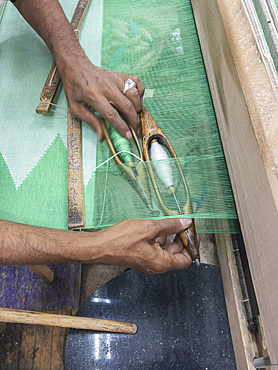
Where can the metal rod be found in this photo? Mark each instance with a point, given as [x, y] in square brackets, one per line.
[174, 195]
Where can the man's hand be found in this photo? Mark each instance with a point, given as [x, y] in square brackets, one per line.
[133, 243]
[150, 246]
[88, 86]
[85, 84]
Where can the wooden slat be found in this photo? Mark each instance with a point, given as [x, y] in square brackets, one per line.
[43, 348]
[244, 343]
[76, 208]
[32, 346]
[10, 346]
[247, 115]
[28, 347]
[59, 336]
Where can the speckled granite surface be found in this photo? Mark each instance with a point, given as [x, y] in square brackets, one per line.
[181, 318]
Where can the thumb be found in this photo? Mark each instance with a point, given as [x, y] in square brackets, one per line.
[169, 226]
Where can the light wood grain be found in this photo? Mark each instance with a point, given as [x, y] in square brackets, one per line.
[247, 113]
[43, 272]
[39, 318]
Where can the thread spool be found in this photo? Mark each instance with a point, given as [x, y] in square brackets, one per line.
[121, 144]
[161, 163]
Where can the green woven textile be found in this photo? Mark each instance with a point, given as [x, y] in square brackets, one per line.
[32, 147]
[154, 39]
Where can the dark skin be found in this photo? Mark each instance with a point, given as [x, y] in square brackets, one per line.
[85, 84]
[150, 246]
[137, 244]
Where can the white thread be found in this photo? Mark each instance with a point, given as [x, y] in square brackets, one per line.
[52, 77]
[59, 106]
[161, 163]
[125, 151]
[61, 114]
[122, 151]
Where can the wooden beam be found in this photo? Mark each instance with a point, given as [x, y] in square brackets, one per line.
[247, 113]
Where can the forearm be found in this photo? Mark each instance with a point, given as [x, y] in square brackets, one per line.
[25, 244]
[134, 243]
[47, 18]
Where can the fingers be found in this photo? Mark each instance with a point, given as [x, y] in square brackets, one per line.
[175, 246]
[170, 226]
[138, 244]
[111, 115]
[130, 103]
[119, 109]
[103, 90]
[167, 261]
[83, 113]
[139, 86]
[127, 108]
[180, 261]
[135, 98]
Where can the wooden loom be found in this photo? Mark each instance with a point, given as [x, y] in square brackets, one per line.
[243, 84]
[243, 96]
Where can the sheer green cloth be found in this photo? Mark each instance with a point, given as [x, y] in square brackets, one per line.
[156, 40]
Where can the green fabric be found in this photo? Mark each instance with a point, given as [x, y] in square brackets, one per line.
[156, 40]
[30, 144]
[160, 45]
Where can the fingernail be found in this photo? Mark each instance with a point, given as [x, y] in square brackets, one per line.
[128, 135]
[186, 222]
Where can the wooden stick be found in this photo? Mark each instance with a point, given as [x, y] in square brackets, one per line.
[43, 272]
[65, 321]
[76, 208]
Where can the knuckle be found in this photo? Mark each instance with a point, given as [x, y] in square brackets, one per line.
[110, 113]
[118, 80]
[152, 228]
[128, 104]
[135, 94]
[172, 225]
[135, 78]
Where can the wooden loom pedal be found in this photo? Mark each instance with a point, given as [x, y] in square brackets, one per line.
[151, 132]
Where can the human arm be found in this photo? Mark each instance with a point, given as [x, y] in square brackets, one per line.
[129, 243]
[85, 84]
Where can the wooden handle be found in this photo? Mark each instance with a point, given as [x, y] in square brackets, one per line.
[190, 241]
[40, 318]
